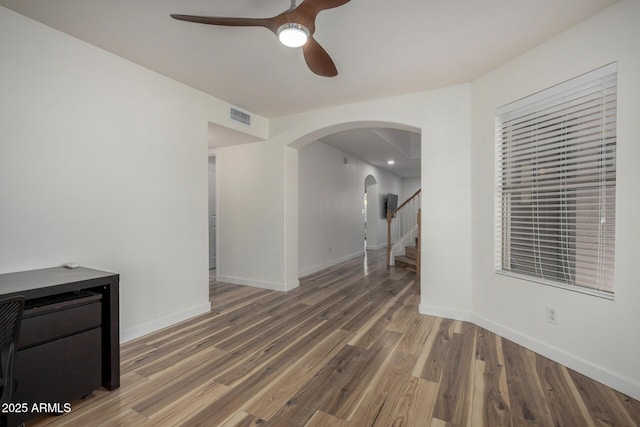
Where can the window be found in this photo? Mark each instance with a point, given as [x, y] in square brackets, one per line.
[555, 185]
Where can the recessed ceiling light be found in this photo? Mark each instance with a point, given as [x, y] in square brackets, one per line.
[391, 162]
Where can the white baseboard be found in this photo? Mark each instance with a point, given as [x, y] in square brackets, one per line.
[328, 264]
[447, 313]
[376, 247]
[292, 285]
[595, 372]
[259, 284]
[157, 324]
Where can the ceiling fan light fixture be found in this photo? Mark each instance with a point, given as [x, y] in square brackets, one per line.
[293, 35]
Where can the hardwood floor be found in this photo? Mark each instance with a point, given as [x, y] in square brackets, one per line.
[347, 348]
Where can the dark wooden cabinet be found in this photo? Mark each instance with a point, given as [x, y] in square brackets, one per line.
[69, 339]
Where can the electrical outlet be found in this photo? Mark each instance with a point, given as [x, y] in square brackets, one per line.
[552, 315]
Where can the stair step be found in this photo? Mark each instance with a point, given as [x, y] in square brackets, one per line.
[411, 252]
[405, 262]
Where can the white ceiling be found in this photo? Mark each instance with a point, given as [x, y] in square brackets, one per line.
[378, 146]
[381, 48]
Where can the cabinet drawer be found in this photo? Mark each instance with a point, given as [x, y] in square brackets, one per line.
[59, 371]
[53, 319]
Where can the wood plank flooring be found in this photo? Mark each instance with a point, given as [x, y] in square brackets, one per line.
[347, 348]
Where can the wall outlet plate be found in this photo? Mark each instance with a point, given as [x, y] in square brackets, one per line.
[552, 315]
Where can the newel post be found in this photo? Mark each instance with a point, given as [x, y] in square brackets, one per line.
[389, 219]
[418, 243]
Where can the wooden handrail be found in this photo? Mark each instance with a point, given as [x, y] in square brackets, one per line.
[406, 201]
[390, 216]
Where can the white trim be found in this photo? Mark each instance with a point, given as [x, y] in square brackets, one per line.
[259, 284]
[331, 263]
[573, 288]
[595, 372]
[292, 285]
[163, 322]
[376, 247]
[447, 313]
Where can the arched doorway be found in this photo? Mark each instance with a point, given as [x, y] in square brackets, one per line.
[315, 227]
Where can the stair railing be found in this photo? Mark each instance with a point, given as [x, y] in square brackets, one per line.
[403, 223]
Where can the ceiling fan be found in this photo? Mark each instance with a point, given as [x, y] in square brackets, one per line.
[294, 27]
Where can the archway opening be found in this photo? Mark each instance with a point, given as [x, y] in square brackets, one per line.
[340, 196]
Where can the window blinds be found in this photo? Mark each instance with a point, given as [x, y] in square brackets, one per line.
[555, 184]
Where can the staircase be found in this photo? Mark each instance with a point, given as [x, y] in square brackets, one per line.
[403, 226]
[409, 260]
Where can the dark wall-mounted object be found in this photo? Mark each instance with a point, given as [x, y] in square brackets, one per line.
[391, 203]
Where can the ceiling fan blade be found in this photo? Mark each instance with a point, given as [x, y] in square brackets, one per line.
[318, 59]
[229, 21]
[319, 5]
[304, 14]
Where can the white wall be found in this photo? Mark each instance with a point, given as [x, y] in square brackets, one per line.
[104, 163]
[251, 217]
[598, 337]
[409, 187]
[374, 213]
[331, 199]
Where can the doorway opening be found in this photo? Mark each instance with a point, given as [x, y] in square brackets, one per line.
[364, 214]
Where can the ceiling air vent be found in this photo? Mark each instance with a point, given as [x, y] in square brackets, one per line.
[239, 116]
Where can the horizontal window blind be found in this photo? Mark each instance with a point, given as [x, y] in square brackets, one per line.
[555, 184]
